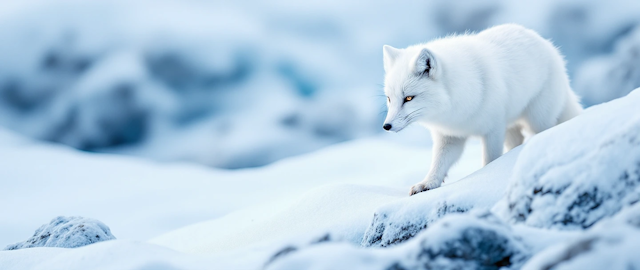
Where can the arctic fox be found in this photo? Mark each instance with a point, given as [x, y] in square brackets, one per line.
[494, 84]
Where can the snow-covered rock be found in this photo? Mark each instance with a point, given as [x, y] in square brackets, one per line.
[611, 244]
[476, 240]
[575, 174]
[611, 76]
[67, 232]
[399, 221]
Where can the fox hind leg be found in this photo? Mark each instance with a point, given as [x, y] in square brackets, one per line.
[513, 137]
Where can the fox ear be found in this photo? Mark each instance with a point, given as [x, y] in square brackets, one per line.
[389, 56]
[425, 63]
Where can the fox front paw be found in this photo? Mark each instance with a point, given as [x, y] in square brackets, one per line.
[423, 186]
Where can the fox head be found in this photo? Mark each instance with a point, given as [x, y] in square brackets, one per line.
[413, 86]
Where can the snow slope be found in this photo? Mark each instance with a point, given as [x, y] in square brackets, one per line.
[139, 199]
[582, 175]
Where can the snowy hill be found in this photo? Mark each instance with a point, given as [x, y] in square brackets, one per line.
[546, 205]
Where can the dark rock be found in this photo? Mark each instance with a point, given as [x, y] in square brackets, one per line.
[384, 232]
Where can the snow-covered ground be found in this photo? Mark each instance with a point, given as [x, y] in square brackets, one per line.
[319, 210]
[335, 190]
[140, 199]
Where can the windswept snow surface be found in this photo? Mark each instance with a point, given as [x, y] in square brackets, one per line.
[139, 199]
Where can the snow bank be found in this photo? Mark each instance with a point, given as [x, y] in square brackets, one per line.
[477, 240]
[398, 221]
[67, 232]
[577, 173]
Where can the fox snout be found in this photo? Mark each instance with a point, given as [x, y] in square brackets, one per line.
[392, 128]
[392, 124]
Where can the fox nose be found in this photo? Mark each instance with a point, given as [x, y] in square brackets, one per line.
[387, 126]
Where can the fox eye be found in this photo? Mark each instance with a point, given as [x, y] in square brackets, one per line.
[409, 98]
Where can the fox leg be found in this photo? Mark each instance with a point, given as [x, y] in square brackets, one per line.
[492, 145]
[514, 137]
[446, 151]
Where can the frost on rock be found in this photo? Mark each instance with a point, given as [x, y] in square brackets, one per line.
[609, 77]
[399, 221]
[475, 240]
[575, 174]
[611, 244]
[385, 231]
[67, 232]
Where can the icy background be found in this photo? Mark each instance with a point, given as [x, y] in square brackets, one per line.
[238, 84]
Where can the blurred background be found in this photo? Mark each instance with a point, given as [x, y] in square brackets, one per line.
[235, 84]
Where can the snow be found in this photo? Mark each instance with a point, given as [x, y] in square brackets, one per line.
[565, 183]
[252, 212]
[611, 244]
[312, 212]
[67, 232]
[139, 199]
[343, 211]
[398, 221]
[116, 254]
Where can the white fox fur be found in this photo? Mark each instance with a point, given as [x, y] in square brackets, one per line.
[494, 84]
